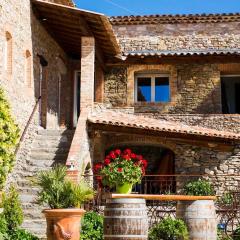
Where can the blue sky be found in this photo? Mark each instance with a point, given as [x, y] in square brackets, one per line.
[140, 7]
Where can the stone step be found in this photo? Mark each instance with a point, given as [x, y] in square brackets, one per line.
[55, 132]
[33, 213]
[24, 183]
[32, 190]
[47, 156]
[36, 226]
[50, 144]
[27, 198]
[56, 150]
[44, 164]
[62, 138]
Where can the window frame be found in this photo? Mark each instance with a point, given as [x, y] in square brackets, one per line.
[228, 75]
[153, 76]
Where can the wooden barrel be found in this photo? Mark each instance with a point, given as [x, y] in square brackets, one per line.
[125, 218]
[200, 217]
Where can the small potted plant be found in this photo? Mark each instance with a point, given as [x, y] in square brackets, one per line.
[169, 229]
[64, 199]
[121, 170]
[199, 211]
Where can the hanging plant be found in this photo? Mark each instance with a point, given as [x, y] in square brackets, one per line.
[9, 135]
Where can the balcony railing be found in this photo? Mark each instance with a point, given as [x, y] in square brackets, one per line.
[227, 192]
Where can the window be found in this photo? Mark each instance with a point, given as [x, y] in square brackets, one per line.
[8, 53]
[28, 69]
[230, 94]
[152, 88]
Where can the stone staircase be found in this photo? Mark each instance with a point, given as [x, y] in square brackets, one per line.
[50, 147]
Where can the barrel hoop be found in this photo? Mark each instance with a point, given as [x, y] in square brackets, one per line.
[128, 209]
[126, 236]
[126, 200]
[132, 217]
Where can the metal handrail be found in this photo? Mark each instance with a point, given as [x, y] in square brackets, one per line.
[27, 126]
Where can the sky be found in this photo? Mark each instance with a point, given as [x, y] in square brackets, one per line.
[142, 7]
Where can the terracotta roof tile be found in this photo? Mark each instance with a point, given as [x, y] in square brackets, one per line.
[108, 117]
[172, 19]
[184, 52]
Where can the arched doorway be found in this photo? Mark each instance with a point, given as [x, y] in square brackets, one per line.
[161, 167]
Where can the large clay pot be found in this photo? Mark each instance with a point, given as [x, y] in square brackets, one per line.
[63, 224]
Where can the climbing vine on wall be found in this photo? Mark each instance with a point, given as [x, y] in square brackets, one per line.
[9, 135]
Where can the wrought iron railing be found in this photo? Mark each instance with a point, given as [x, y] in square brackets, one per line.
[227, 205]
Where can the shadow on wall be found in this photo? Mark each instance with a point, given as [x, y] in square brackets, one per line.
[51, 77]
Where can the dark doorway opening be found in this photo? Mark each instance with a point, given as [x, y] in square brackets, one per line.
[230, 94]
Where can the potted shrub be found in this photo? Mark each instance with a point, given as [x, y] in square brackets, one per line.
[199, 212]
[121, 170]
[64, 199]
[169, 229]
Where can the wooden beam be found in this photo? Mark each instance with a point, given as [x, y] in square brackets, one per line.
[173, 60]
[162, 197]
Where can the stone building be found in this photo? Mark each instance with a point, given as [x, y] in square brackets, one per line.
[81, 83]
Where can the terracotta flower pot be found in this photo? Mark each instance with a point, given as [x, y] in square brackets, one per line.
[63, 224]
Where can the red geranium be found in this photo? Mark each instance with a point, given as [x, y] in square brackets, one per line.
[126, 157]
[107, 161]
[127, 151]
[121, 167]
[144, 163]
[112, 155]
[133, 155]
[117, 152]
[98, 167]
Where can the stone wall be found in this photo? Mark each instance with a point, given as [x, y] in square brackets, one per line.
[176, 37]
[29, 34]
[222, 168]
[195, 88]
[115, 86]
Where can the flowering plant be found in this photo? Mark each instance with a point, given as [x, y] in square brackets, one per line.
[121, 167]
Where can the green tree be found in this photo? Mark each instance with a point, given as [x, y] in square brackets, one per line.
[9, 135]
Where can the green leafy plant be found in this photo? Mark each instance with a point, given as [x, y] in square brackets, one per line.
[12, 210]
[9, 135]
[92, 226]
[12, 217]
[21, 234]
[222, 236]
[169, 229]
[236, 234]
[58, 192]
[199, 188]
[121, 167]
[226, 199]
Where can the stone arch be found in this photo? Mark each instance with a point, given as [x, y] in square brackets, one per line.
[160, 172]
[140, 140]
